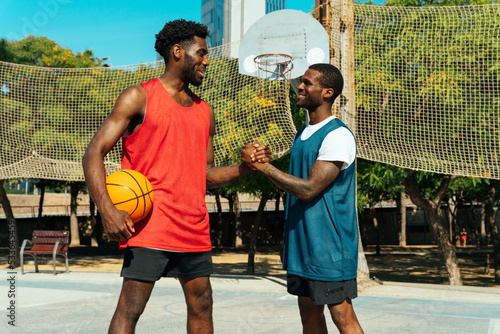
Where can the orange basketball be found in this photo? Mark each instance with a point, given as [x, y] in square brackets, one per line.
[130, 191]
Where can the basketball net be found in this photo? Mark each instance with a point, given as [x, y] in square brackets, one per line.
[274, 66]
[273, 73]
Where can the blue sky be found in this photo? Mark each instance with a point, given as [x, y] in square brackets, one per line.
[124, 31]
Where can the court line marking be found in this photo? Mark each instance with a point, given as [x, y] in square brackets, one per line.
[437, 315]
[494, 326]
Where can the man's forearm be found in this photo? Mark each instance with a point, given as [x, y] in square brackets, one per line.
[293, 185]
[94, 171]
[321, 176]
[117, 224]
[220, 176]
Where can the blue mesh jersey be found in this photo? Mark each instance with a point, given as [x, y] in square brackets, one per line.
[321, 236]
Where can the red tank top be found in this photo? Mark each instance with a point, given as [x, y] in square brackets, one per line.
[170, 149]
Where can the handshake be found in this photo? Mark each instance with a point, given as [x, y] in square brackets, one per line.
[255, 155]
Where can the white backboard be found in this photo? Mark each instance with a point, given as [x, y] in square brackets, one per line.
[287, 31]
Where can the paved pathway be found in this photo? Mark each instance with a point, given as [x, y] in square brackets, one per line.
[81, 302]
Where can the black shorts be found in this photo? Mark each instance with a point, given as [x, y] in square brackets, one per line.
[322, 292]
[151, 264]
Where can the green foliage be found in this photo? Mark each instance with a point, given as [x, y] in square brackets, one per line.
[31, 120]
[51, 112]
[6, 53]
[443, 70]
[41, 51]
[473, 189]
[255, 183]
[298, 114]
[242, 106]
[428, 182]
[378, 182]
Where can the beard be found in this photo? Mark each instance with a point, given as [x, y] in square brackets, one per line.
[193, 80]
[309, 103]
[190, 72]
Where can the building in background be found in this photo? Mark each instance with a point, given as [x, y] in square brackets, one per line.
[228, 20]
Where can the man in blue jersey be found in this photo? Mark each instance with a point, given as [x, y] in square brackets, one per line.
[320, 250]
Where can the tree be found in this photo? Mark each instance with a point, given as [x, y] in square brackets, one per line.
[4, 201]
[231, 193]
[486, 192]
[218, 226]
[42, 185]
[432, 206]
[28, 122]
[41, 51]
[417, 58]
[378, 182]
[259, 185]
[239, 111]
[75, 189]
[469, 190]
[494, 197]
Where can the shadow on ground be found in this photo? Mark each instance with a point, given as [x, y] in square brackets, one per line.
[429, 268]
[410, 265]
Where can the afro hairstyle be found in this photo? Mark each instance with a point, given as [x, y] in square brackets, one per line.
[178, 32]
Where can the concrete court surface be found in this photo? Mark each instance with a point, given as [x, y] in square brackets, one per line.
[83, 302]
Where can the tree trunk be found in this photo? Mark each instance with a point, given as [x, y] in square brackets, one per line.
[401, 217]
[456, 228]
[255, 233]
[373, 216]
[14, 260]
[232, 236]
[94, 240]
[99, 228]
[218, 235]
[363, 270]
[276, 219]
[496, 257]
[277, 207]
[472, 222]
[73, 219]
[482, 229]
[450, 216]
[238, 239]
[40, 224]
[494, 227]
[42, 196]
[437, 222]
[447, 248]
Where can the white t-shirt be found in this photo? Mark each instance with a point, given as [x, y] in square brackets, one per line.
[338, 145]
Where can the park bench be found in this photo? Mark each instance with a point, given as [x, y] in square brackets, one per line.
[46, 242]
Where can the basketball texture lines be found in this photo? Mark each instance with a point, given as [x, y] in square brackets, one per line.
[132, 192]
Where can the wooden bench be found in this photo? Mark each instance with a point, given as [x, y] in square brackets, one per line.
[46, 242]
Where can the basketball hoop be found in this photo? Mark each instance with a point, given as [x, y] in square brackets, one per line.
[274, 66]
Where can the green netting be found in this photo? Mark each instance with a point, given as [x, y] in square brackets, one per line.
[427, 97]
[428, 87]
[49, 115]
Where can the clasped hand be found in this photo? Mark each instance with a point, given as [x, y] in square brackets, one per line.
[255, 154]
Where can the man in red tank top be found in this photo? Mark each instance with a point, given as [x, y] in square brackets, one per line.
[169, 133]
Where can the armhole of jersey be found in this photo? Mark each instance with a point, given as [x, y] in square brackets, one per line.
[126, 133]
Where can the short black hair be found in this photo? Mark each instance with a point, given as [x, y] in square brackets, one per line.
[178, 32]
[330, 78]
